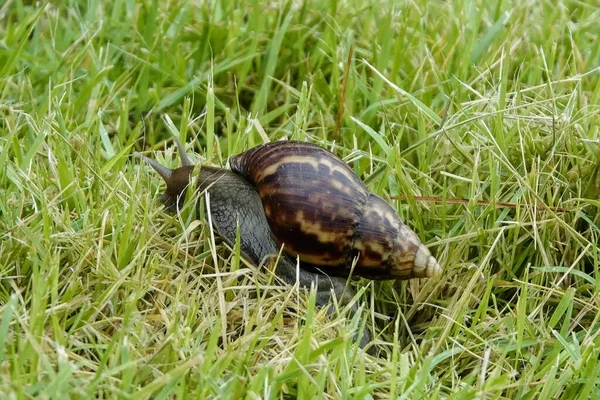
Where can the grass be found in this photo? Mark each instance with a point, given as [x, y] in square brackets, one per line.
[478, 121]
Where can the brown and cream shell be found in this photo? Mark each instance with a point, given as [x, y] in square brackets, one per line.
[320, 211]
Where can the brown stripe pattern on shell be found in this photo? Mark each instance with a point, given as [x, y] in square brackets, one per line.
[318, 208]
[313, 202]
[384, 244]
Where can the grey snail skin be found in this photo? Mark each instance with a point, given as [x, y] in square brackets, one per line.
[304, 199]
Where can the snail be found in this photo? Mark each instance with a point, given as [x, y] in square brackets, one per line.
[303, 198]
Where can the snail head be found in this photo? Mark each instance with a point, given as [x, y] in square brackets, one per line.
[177, 179]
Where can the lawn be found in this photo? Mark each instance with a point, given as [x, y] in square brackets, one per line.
[478, 121]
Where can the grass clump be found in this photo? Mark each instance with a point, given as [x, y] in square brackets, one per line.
[478, 121]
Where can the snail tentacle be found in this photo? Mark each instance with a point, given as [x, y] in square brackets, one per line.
[185, 159]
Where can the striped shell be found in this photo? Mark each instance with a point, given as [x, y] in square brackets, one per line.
[320, 211]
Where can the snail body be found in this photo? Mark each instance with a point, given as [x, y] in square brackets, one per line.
[234, 204]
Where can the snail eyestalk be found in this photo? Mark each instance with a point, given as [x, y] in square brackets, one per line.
[185, 160]
[163, 171]
[177, 181]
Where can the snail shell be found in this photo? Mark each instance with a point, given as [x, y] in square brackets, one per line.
[321, 212]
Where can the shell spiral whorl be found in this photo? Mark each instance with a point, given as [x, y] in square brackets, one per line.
[322, 212]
